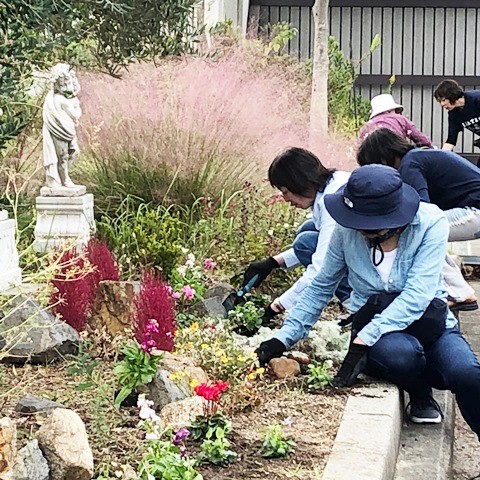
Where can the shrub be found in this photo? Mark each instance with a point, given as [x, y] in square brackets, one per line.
[77, 280]
[142, 237]
[154, 304]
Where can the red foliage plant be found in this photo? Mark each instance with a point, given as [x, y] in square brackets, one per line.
[154, 317]
[76, 282]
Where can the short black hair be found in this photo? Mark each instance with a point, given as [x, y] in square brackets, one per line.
[300, 171]
[382, 146]
[448, 89]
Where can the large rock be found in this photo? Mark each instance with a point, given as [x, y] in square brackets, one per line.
[31, 464]
[64, 442]
[32, 404]
[182, 413]
[172, 381]
[33, 334]
[8, 448]
[113, 306]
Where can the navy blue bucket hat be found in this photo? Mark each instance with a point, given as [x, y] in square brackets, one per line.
[375, 198]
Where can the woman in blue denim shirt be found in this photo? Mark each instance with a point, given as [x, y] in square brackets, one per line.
[391, 244]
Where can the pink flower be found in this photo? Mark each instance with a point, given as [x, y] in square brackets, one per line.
[175, 295]
[209, 264]
[188, 292]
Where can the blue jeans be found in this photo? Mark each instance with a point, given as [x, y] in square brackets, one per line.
[449, 364]
[304, 246]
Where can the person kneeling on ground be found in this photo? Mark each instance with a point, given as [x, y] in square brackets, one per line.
[303, 182]
[393, 246]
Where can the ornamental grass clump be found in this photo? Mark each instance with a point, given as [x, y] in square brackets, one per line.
[76, 281]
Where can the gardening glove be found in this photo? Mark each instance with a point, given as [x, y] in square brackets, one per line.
[261, 268]
[353, 363]
[275, 308]
[272, 348]
[268, 315]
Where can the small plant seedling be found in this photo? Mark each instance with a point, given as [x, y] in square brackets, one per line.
[274, 445]
[318, 376]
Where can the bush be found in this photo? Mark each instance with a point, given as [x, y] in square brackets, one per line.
[141, 237]
[154, 306]
[77, 280]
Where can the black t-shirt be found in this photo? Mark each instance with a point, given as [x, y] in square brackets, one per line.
[441, 177]
[467, 117]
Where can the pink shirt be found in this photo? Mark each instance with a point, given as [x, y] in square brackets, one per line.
[398, 124]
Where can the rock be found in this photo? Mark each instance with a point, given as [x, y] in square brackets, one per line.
[220, 290]
[31, 464]
[210, 307]
[182, 413]
[114, 305]
[284, 367]
[32, 404]
[8, 448]
[64, 442]
[34, 335]
[172, 381]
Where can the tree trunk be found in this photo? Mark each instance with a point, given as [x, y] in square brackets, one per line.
[319, 102]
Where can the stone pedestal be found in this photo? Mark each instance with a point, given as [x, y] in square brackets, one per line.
[63, 220]
[10, 273]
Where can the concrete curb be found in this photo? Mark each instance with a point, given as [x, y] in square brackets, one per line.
[367, 441]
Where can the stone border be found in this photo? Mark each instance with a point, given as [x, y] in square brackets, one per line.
[367, 441]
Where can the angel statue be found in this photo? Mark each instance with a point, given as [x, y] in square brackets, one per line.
[61, 112]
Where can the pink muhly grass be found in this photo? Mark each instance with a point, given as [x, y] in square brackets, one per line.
[154, 316]
[225, 119]
[77, 280]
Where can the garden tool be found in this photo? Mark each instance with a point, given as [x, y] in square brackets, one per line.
[237, 297]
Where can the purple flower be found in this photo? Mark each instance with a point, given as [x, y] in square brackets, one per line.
[209, 264]
[181, 435]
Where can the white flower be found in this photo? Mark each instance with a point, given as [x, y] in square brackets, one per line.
[143, 402]
[182, 270]
[184, 250]
[286, 225]
[152, 436]
[190, 260]
[270, 232]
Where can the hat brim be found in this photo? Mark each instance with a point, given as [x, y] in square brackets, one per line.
[349, 218]
[384, 109]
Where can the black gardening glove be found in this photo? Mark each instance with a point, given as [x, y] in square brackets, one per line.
[272, 348]
[268, 315]
[353, 364]
[261, 268]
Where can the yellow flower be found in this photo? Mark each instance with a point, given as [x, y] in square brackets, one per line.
[241, 358]
[204, 346]
[224, 359]
[194, 327]
[260, 371]
[174, 376]
[251, 376]
[218, 352]
[193, 383]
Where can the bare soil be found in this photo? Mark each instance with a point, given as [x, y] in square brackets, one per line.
[116, 440]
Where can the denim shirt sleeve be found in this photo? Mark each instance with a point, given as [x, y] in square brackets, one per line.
[314, 297]
[420, 286]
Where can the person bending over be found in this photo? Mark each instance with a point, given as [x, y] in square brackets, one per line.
[303, 182]
[463, 109]
[440, 177]
[393, 246]
[387, 113]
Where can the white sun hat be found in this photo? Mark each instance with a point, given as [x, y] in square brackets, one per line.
[383, 103]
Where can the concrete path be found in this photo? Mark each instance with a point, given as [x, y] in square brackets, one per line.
[466, 448]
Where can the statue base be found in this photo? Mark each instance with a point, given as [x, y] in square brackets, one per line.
[63, 221]
[75, 191]
[10, 273]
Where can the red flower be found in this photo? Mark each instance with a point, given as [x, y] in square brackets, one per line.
[211, 392]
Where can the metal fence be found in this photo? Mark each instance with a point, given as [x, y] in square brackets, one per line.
[423, 42]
